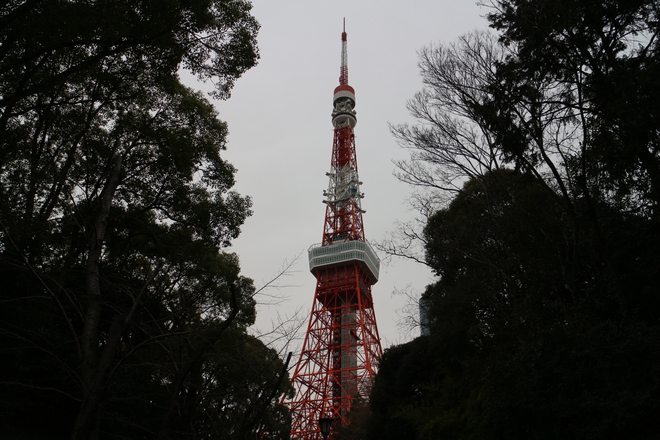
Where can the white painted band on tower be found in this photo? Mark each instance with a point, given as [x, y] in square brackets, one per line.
[344, 94]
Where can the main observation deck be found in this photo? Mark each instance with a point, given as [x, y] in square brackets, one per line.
[348, 251]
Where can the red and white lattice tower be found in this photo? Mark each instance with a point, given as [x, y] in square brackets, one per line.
[341, 350]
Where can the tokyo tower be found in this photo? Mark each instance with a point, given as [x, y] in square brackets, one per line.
[341, 349]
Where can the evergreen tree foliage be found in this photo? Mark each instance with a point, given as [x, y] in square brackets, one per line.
[124, 315]
[544, 317]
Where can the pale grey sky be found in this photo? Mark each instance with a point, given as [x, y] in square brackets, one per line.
[281, 135]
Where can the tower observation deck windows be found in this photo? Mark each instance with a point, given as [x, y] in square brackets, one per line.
[338, 253]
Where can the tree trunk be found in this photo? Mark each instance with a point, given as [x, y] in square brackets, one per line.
[95, 364]
[195, 360]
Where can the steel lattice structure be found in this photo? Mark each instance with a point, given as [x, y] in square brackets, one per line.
[341, 350]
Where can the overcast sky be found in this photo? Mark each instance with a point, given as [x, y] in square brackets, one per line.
[281, 136]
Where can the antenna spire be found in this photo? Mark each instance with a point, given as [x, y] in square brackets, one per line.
[343, 72]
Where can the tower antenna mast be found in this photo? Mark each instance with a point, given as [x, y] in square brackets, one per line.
[343, 72]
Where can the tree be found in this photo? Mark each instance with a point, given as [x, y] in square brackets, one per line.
[512, 352]
[546, 255]
[589, 56]
[602, 61]
[116, 210]
[451, 143]
[495, 250]
[538, 101]
[47, 43]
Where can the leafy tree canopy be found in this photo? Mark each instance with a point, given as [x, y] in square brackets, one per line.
[544, 316]
[122, 304]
